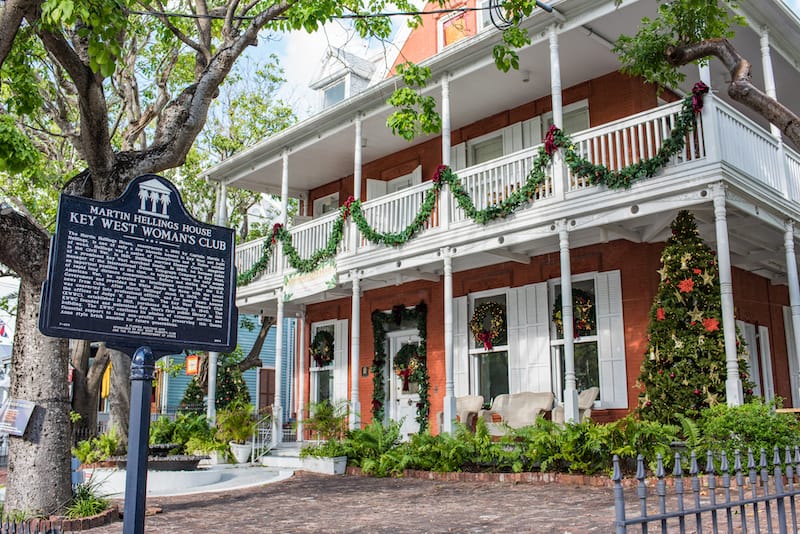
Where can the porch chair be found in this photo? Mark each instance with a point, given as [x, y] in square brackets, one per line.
[467, 408]
[586, 400]
[516, 410]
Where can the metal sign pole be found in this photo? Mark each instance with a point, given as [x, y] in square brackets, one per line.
[142, 367]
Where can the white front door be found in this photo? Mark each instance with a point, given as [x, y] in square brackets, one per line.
[403, 393]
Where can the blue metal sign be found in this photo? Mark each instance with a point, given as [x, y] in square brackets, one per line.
[139, 270]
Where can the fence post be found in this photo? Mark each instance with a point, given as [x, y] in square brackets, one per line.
[619, 498]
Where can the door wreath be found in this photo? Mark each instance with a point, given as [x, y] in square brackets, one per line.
[497, 323]
[322, 348]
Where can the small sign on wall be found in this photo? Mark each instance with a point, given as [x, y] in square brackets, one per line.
[192, 364]
[15, 415]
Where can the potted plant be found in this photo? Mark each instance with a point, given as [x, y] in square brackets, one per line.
[236, 424]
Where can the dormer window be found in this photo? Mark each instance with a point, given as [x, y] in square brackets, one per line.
[455, 27]
[333, 94]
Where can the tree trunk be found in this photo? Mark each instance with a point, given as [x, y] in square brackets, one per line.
[86, 383]
[119, 396]
[39, 462]
[253, 358]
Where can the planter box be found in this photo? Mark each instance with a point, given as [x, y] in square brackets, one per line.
[329, 465]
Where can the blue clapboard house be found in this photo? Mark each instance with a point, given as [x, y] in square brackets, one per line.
[260, 382]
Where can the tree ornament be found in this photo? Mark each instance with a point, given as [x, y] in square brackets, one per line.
[686, 286]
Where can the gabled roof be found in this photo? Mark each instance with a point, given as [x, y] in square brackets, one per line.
[336, 63]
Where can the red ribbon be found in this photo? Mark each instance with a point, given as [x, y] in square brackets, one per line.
[437, 176]
[550, 140]
[347, 204]
[486, 338]
[405, 374]
[698, 91]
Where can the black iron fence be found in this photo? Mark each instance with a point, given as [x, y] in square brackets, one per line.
[744, 499]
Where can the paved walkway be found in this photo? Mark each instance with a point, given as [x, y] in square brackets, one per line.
[320, 503]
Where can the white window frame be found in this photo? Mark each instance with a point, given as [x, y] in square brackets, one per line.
[483, 19]
[440, 29]
[314, 370]
[331, 200]
[344, 81]
[474, 353]
[547, 118]
[555, 341]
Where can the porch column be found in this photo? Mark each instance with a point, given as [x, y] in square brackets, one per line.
[213, 357]
[355, 343]
[794, 284]
[301, 374]
[709, 114]
[559, 183]
[770, 89]
[444, 197]
[570, 385]
[449, 382]
[357, 158]
[733, 383]
[277, 405]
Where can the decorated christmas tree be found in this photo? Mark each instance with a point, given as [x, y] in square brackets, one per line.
[684, 368]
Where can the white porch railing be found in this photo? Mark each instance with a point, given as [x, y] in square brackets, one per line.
[743, 145]
[633, 139]
[393, 213]
[493, 181]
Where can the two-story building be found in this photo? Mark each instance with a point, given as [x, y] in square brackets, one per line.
[451, 282]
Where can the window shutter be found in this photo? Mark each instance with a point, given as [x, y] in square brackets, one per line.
[340, 363]
[768, 387]
[791, 353]
[748, 332]
[611, 341]
[529, 339]
[375, 188]
[531, 132]
[460, 347]
[512, 138]
[458, 156]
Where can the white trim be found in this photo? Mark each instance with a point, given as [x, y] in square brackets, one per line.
[327, 200]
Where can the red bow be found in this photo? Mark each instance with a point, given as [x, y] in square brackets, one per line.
[485, 337]
[698, 91]
[550, 140]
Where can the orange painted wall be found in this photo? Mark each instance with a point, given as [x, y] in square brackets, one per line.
[756, 301]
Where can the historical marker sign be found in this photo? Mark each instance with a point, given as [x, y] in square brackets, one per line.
[140, 271]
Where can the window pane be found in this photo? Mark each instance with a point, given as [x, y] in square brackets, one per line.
[486, 150]
[586, 367]
[584, 310]
[334, 94]
[493, 371]
[324, 385]
[454, 29]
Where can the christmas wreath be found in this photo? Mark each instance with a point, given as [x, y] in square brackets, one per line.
[497, 323]
[322, 348]
[583, 317]
[406, 363]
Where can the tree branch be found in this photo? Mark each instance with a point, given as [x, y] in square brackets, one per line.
[253, 357]
[25, 246]
[10, 20]
[741, 87]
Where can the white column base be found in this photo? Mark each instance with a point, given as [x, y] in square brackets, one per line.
[733, 392]
[277, 426]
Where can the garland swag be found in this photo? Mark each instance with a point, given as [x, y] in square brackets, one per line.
[554, 140]
[380, 322]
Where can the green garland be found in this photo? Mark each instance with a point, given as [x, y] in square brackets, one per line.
[380, 321]
[556, 139]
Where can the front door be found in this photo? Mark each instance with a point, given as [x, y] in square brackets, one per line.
[403, 393]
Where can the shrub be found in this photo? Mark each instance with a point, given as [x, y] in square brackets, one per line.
[236, 422]
[327, 420]
[753, 425]
[99, 448]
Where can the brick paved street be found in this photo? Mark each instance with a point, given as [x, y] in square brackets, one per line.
[319, 503]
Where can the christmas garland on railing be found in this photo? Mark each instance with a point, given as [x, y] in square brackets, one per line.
[380, 322]
[554, 140]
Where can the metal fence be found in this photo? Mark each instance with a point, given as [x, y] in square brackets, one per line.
[743, 499]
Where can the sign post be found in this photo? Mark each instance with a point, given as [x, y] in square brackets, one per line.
[141, 274]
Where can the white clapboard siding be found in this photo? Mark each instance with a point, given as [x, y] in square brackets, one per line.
[460, 347]
[529, 339]
[340, 361]
[611, 341]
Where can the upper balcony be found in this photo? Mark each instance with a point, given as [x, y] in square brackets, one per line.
[724, 146]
